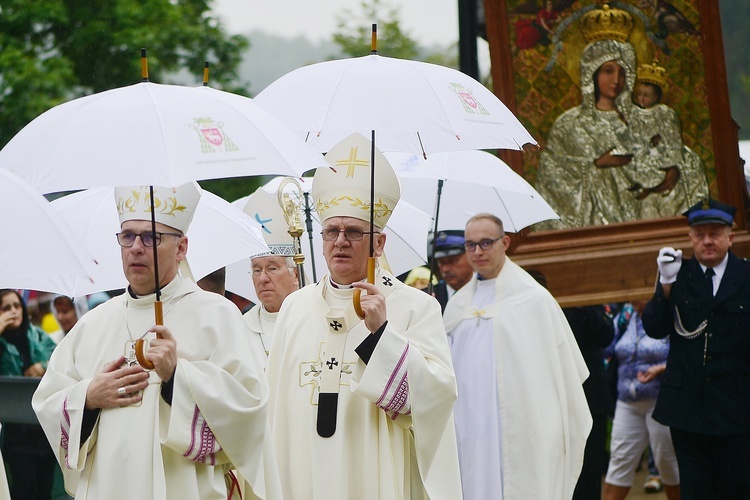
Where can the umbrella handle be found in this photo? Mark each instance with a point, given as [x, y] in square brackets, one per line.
[358, 291]
[140, 344]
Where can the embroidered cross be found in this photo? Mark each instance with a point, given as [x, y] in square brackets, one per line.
[352, 162]
[332, 363]
[335, 325]
[479, 314]
[309, 373]
[387, 281]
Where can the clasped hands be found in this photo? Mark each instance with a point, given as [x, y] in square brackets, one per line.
[120, 384]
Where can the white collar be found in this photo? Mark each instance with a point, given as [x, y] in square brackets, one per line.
[267, 315]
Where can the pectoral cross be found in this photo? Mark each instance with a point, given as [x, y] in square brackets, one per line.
[130, 359]
[479, 314]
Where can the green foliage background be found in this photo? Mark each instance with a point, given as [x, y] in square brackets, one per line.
[52, 51]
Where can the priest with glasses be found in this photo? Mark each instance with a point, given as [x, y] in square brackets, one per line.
[521, 417]
[361, 408]
[171, 432]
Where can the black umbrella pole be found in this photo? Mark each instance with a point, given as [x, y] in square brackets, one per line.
[156, 250]
[371, 259]
[372, 196]
[140, 344]
[308, 225]
[434, 235]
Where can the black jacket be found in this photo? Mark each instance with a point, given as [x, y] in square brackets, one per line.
[441, 294]
[706, 386]
[593, 331]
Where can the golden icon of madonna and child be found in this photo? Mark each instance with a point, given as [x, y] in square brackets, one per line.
[619, 155]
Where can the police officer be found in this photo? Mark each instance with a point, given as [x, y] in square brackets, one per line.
[455, 270]
[703, 305]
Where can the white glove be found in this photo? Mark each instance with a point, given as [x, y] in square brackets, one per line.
[669, 262]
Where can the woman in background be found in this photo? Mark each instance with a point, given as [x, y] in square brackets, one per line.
[641, 361]
[24, 352]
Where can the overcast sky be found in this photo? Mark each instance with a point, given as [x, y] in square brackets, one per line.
[427, 21]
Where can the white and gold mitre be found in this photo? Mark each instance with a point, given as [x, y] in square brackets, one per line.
[343, 189]
[606, 24]
[265, 209]
[652, 73]
[173, 207]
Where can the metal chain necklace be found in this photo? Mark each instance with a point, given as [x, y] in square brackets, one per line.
[684, 332]
[129, 355]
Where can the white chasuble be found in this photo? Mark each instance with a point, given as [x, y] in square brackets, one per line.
[154, 450]
[528, 438]
[394, 436]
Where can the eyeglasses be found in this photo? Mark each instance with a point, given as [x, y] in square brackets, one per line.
[350, 233]
[269, 270]
[484, 244]
[148, 238]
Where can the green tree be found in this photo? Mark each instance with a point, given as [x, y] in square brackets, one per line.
[33, 78]
[234, 189]
[354, 32]
[54, 50]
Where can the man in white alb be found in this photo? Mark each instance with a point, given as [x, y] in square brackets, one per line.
[274, 274]
[119, 430]
[361, 408]
[521, 417]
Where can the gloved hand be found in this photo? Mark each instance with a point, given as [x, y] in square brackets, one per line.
[669, 262]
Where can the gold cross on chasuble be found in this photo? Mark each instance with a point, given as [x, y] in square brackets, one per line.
[352, 162]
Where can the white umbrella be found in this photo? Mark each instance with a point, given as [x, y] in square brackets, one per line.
[402, 105]
[218, 235]
[406, 245]
[473, 182]
[412, 106]
[147, 133]
[154, 134]
[40, 252]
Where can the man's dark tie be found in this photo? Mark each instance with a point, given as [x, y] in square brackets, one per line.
[710, 280]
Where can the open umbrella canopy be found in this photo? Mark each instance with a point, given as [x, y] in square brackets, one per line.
[218, 235]
[474, 182]
[39, 251]
[412, 106]
[406, 244]
[147, 133]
